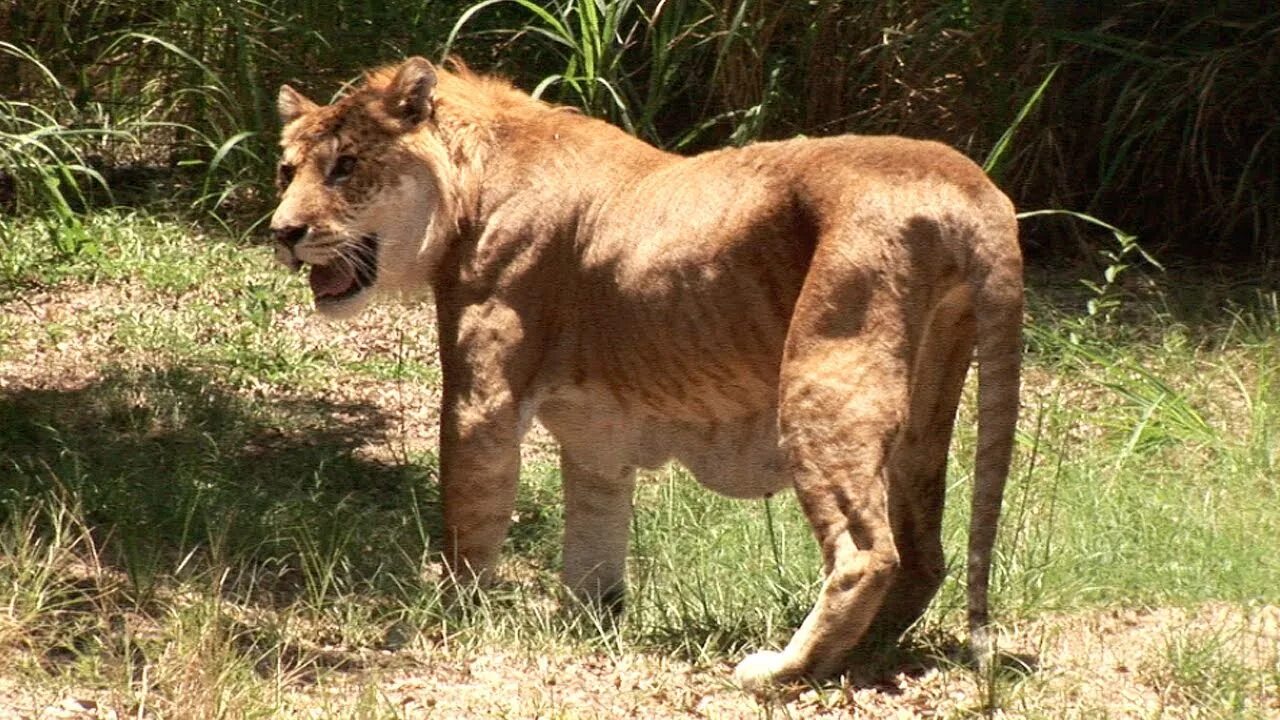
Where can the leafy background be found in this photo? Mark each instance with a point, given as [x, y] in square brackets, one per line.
[1161, 117]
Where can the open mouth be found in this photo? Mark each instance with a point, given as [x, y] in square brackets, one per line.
[351, 272]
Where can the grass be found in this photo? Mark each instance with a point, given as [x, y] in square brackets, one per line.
[211, 506]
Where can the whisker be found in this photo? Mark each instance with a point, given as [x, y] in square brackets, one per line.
[353, 252]
[360, 261]
[331, 248]
[361, 256]
[326, 242]
[350, 262]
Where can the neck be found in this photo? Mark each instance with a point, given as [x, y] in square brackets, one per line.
[508, 151]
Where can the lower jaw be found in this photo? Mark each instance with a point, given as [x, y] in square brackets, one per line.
[343, 308]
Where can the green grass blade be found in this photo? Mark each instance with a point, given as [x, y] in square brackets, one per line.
[555, 29]
[992, 164]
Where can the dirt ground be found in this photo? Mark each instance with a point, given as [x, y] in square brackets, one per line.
[1102, 664]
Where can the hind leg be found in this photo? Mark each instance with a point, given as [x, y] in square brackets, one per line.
[840, 414]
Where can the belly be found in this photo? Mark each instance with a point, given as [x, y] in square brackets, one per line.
[739, 458]
[736, 456]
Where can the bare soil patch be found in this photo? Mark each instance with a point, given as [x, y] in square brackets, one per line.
[1107, 663]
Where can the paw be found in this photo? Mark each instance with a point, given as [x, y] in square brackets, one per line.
[761, 672]
[607, 603]
[982, 647]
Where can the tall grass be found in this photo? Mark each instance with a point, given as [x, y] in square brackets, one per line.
[594, 37]
[1160, 118]
[44, 161]
[175, 100]
[1169, 101]
[634, 63]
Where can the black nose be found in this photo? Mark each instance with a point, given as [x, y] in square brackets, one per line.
[289, 236]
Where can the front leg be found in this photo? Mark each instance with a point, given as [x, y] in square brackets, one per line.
[479, 470]
[479, 440]
[597, 530]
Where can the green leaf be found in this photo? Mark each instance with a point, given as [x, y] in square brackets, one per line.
[992, 164]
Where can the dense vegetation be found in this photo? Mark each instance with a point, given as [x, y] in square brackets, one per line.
[1159, 116]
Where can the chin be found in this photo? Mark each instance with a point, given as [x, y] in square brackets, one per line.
[346, 308]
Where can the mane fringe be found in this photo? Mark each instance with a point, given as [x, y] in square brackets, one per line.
[457, 144]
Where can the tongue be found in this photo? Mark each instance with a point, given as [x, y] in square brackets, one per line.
[332, 279]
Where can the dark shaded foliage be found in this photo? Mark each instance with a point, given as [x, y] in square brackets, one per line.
[1162, 119]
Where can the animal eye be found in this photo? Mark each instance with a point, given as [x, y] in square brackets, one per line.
[342, 168]
[285, 175]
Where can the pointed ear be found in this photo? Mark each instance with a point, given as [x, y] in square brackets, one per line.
[411, 95]
[292, 105]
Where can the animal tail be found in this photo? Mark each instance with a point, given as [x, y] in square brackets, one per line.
[996, 278]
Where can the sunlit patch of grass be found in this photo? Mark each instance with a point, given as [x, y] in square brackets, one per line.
[712, 576]
[1213, 673]
[9, 333]
[166, 254]
[1199, 672]
[423, 371]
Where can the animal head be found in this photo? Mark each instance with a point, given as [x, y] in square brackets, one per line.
[362, 200]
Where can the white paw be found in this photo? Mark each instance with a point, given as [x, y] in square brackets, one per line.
[982, 646]
[759, 672]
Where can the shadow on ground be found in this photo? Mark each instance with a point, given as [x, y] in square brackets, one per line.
[882, 664]
[167, 465]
